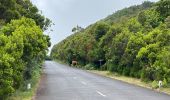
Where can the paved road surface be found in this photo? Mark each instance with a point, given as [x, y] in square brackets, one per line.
[61, 82]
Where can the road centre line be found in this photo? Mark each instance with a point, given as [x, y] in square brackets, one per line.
[84, 83]
[101, 93]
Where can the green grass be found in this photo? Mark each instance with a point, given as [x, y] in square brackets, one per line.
[130, 80]
[23, 93]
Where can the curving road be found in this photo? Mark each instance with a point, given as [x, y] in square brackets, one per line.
[60, 82]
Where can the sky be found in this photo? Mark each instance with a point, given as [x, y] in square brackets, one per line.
[66, 14]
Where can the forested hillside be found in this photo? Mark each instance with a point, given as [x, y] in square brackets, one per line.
[23, 45]
[134, 42]
[127, 13]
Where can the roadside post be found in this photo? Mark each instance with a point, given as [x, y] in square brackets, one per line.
[28, 86]
[160, 84]
[100, 63]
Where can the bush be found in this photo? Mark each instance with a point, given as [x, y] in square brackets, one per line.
[126, 71]
[111, 67]
[135, 73]
[104, 67]
[144, 76]
[23, 93]
[165, 83]
[155, 84]
[89, 67]
[48, 58]
[22, 45]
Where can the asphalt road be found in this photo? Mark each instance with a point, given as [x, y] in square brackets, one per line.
[60, 82]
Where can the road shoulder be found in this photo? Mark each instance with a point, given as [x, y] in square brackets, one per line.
[129, 80]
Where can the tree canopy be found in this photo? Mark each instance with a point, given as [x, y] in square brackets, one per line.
[15, 9]
[23, 46]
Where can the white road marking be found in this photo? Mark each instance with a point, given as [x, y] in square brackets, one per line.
[84, 83]
[101, 93]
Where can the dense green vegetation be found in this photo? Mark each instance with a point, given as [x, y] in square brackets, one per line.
[23, 45]
[134, 42]
[15, 9]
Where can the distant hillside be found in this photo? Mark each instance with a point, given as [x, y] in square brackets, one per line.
[134, 42]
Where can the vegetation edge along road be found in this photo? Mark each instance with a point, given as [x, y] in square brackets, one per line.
[23, 47]
[29, 94]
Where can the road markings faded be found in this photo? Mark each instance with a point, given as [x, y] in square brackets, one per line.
[101, 93]
[84, 83]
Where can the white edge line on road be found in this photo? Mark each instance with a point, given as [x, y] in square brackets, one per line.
[84, 83]
[101, 93]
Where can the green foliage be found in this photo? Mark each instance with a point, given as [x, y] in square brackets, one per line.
[22, 45]
[47, 57]
[154, 84]
[127, 13]
[77, 29]
[100, 30]
[167, 21]
[89, 67]
[163, 7]
[117, 50]
[15, 9]
[135, 42]
[133, 25]
[165, 83]
[149, 17]
[11, 48]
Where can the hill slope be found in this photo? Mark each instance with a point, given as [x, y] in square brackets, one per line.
[134, 42]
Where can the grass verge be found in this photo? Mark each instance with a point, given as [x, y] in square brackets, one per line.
[130, 80]
[23, 93]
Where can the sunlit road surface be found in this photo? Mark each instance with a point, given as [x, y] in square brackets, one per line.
[61, 82]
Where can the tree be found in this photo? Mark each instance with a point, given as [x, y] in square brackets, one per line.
[163, 7]
[77, 29]
[133, 25]
[22, 45]
[149, 17]
[162, 65]
[15, 9]
[11, 70]
[100, 30]
[117, 50]
[167, 22]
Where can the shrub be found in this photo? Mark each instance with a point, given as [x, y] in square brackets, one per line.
[165, 83]
[89, 67]
[154, 84]
[126, 71]
[104, 67]
[22, 46]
